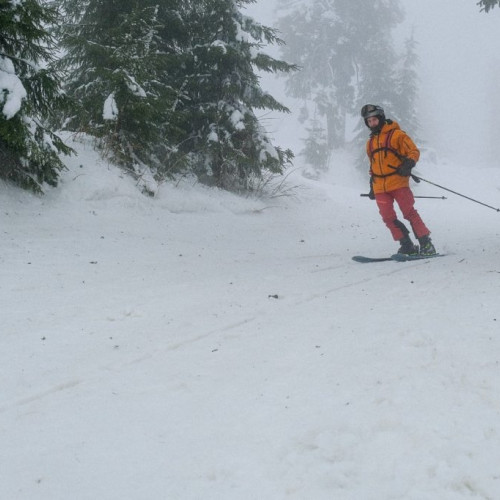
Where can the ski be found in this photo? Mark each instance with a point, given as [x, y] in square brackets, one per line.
[365, 260]
[401, 257]
[397, 257]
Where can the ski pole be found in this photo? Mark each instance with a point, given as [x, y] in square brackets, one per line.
[431, 197]
[416, 178]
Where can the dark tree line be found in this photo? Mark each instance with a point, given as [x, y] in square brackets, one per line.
[170, 87]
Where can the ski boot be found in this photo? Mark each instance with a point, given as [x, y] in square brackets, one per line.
[426, 246]
[407, 247]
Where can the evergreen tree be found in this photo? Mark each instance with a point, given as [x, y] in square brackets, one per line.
[316, 151]
[377, 61]
[486, 5]
[374, 53]
[229, 143]
[172, 85]
[120, 60]
[319, 41]
[405, 109]
[29, 95]
[347, 57]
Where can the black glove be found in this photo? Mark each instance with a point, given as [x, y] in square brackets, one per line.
[405, 168]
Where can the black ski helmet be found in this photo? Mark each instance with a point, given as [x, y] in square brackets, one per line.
[372, 110]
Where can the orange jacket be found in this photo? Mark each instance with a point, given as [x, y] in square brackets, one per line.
[386, 150]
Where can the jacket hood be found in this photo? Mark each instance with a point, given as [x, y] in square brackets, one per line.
[388, 125]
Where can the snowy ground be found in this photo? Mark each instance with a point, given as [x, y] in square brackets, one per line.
[203, 346]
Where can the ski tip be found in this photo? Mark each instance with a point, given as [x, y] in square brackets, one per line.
[360, 258]
[364, 260]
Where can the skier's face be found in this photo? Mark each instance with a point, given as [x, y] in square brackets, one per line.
[373, 121]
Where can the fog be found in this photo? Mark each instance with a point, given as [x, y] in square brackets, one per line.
[459, 68]
[459, 77]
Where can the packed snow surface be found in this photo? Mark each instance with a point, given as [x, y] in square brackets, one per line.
[200, 345]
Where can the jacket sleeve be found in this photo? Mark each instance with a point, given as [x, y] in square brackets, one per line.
[407, 147]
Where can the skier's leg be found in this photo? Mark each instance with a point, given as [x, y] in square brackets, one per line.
[385, 203]
[406, 202]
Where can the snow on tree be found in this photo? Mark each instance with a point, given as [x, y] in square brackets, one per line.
[171, 86]
[230, 144]
[29, 95]
[120, 57]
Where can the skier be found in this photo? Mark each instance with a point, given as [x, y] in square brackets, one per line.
[392, 155]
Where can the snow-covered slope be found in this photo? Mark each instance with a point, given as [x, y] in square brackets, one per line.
[198, 345]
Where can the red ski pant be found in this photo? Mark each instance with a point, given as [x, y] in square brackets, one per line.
[405, 200]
